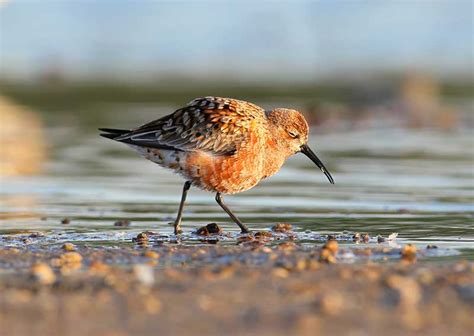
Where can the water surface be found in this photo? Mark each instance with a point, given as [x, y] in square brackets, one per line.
[418, 183]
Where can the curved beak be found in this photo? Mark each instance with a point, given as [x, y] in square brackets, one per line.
[309, 153]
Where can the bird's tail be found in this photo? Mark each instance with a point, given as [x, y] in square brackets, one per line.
[112, 133]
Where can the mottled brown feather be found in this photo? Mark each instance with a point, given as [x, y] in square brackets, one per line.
[214, 124]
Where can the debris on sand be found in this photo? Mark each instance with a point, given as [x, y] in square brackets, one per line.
[65, 221]
[282, 228]
[68, 247]
[141, 239]
[263, 235]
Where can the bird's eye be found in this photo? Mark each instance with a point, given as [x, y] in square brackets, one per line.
[293, 134]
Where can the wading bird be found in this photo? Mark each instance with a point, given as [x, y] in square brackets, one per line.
[222, 145]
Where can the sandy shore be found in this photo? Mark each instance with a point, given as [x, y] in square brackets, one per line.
[245, 289]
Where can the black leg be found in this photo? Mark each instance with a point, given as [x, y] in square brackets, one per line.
[220, 201]
[177, 223]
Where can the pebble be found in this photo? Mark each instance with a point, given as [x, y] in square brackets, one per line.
[68, 247]
[282, 228]
[141, 239]
[408, 252]
[122, 223]
[327, 256]
[144, 274]
[332, 246]
[365, 237]
[263, 235]
[71, 258]
[209, 229]
[43, 274]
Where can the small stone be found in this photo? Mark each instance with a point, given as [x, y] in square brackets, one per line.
[262, 235]
[71, 258]
[327, 256]
[43, 274]
[365, 237]
[68, 262]
[245, 239]
[209, 229]
[68, 247]
[65, 221]
[141, 239]
[356, 237]
[408, 252]
[36, 235]
[122, 223]
[301, 265]
[144, 274]
[213, 229]
[332, 246]
[282, 227]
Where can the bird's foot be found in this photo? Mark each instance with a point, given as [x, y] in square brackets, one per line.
[177, 230]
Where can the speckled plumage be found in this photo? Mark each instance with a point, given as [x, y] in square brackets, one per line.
[221, 144]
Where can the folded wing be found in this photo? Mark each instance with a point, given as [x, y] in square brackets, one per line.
[213, 124]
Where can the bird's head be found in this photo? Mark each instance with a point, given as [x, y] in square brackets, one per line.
[292, 134]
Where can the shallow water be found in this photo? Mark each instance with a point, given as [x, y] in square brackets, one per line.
[418, 183]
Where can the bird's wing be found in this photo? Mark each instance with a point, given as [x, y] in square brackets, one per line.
[212, 124]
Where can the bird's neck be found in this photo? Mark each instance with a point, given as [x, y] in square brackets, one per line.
[275, 155]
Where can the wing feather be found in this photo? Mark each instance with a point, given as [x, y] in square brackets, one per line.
[213, 124]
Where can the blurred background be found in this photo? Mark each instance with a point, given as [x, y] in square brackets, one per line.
[386, 85]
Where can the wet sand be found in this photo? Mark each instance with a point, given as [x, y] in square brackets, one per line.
[253, 286]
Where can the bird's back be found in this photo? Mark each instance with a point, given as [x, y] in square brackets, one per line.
[214, 142]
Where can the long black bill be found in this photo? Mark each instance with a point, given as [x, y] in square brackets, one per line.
[309, 153]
